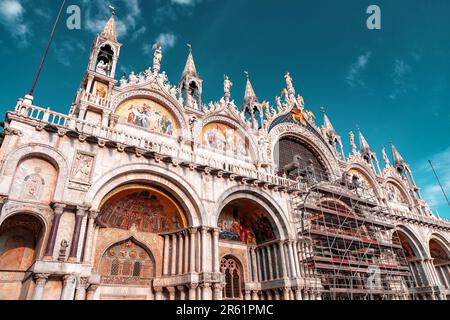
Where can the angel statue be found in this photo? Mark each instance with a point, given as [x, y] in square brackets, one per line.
[289, 85]
[352, 142]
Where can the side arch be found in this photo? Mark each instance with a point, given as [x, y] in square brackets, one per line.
[310, 140]
[369, 175]
[55, 157]
[414, 242]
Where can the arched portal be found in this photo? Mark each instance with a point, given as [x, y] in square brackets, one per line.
[20, 241]
[296, 160]
[149, 209]
[441, 261]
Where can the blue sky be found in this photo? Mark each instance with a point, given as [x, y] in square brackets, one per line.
[393, 83]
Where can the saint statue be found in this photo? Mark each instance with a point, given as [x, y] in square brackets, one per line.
[352, 142]
[157, 58]
[386, 158]
[227, 85]
[289, 85]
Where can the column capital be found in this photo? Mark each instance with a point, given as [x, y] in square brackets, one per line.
[157, 289]
[193, 230]
[218, 286]
[93, 214]
[205, 285]
[58, 208]
[92, 287]
[193, 285]
[83, 283]
[69, 279]
[181, 288]
[170, 289]
[82, 210]
[3, 199]
[41, 278]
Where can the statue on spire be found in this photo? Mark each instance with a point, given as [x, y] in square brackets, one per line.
[289, 84]
[385, 158]
[157, 58]
[227, 85]
[352, 142]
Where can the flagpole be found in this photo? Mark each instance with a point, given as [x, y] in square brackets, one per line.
[46, 50]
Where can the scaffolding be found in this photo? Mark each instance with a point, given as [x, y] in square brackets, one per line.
[346, 240]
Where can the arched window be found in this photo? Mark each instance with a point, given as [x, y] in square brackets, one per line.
[126, 263]
[230, 267]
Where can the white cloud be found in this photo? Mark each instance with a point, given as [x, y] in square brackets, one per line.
[401, 71]
[185, 2]
[65, 50]
[431, 191]
[353, 77]
[166, 40]
[97, 14]
[139, 32]
[12, 18]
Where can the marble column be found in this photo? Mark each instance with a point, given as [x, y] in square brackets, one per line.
[41, 280]
[58, 212]
[275, 262]
[205, 265]
[255, 295]
[182, 290]
[283, 260]
[158, 293]
[286, 294]
[166, 256]
[90, 236]
[288, 260]
[264, 264]
[269, 258]
[81, 213]
[215, 243]
[269, 295]
[217, 291]
[206, 291]
[192, 259]
[258, 265]
[180, 253]
[254, 264]
[186, 253]
[193, 291]
[171, 291]
[247, 295]
[92, 289]
[291, 258]
[174, 255]
[68, 286]
[80, 292]
[276, 294]
[298, 294]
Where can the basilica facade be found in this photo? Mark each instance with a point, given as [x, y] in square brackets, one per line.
[142, 191]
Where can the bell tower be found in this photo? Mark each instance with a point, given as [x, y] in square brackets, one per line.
[190, 86]
[92, 101]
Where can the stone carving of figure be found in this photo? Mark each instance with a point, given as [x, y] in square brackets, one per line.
[263, 147]
[33, 185]
[62, 251]
[289, 85]
[300, 102]
[102, 67]
[123, 81]
[157, 58]
[352, 142]
[82, 168]
[227, 85]
[386, 158]
[133, 79]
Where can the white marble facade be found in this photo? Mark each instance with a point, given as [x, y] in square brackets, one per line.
[143, 192]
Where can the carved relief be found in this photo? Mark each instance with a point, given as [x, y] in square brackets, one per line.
[33, 185]
[82, 167]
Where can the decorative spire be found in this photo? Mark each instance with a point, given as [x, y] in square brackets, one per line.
[190, 68]
[327, 123]
[396, 156]
[250, 95]
[386, 160]
[109, 32]
[363, 144]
